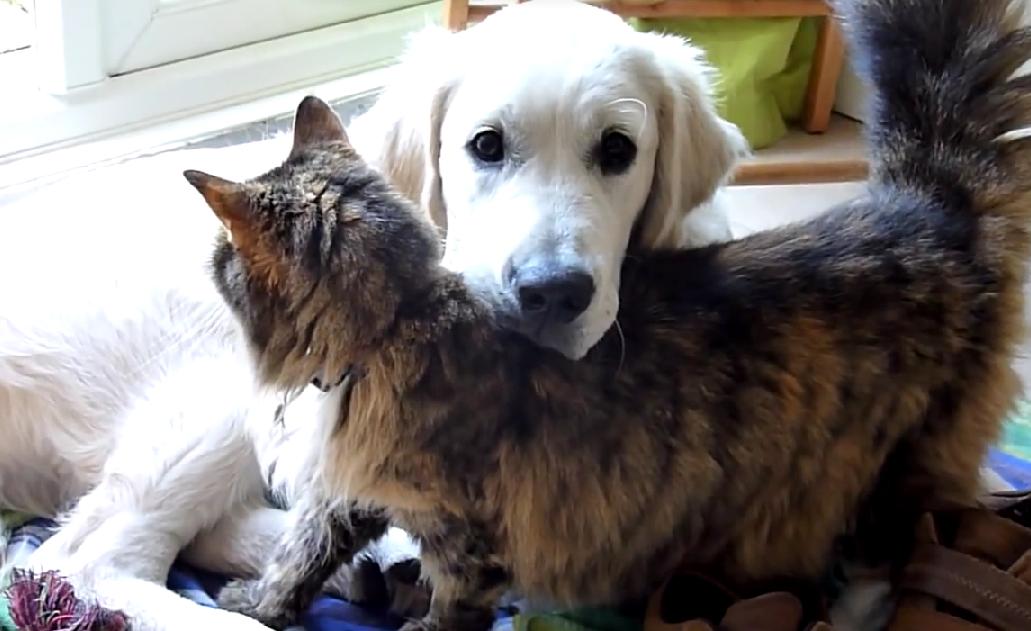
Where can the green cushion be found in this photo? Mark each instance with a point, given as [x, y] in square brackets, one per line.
[763, 67]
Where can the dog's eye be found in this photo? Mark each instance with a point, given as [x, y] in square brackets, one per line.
[615, 152]
[488, 146]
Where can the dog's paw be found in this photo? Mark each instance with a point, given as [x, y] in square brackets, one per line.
[247, 597]
[54, 555]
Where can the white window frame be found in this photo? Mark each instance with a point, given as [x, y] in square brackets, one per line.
[59, 92]
[26, 173]
[83, 42]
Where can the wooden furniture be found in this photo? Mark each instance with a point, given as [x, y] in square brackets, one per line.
[823, 78]
[838, 155]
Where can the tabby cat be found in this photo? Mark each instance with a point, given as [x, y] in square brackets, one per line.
[759, 394]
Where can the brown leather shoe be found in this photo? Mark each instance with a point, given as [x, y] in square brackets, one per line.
[970, 570]
[692, 602]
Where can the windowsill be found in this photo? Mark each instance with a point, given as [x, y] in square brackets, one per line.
[15, 26]
[31, 172]
[44, 136]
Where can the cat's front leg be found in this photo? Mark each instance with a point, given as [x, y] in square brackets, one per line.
[323, 536]
[468, 579]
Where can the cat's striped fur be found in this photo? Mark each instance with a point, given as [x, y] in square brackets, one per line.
[759, 393]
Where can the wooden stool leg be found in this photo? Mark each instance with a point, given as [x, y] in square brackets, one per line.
[823, 79]
[456, 14]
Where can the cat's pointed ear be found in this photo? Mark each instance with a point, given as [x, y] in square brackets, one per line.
[227, 199]
[316, 122]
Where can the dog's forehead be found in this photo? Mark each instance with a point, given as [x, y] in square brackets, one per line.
[551, 40]
[587, 81]
[567, 20]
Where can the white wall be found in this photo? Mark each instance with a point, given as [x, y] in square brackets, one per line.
[852, 94]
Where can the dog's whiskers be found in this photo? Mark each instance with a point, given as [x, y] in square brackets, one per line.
[1023, 133]
[622, 346]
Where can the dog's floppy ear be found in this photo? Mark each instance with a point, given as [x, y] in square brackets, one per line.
[400, 134]
[697, 149]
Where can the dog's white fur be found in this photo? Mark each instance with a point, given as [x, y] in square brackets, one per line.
[554, 90]
[122, 386]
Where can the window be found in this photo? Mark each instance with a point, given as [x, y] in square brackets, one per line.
[15, 25]
[79, 70]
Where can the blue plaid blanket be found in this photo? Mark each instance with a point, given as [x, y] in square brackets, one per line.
[325, 614]
[332, 614]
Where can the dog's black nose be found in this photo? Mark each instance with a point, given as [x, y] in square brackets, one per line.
[548, 294]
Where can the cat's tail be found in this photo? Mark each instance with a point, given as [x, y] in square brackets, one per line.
[950, 119]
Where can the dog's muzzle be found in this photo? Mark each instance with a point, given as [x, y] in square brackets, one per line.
[548, 299]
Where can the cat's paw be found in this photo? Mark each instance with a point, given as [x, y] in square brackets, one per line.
[399, 590]
[420, 624]
[408, 593]
[459, 620]
[247, 597]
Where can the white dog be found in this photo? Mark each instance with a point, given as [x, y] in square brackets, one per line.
[542, 139]
[547, 140]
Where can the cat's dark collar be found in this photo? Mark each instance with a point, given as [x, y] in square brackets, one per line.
[354, 371]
